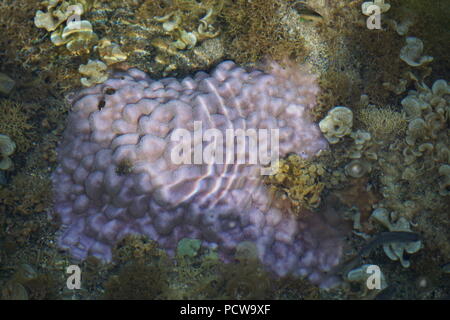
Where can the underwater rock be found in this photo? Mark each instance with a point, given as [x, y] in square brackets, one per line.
[188, 247]
[444, 184]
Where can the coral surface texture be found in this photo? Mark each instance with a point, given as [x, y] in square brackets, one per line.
[117, 174]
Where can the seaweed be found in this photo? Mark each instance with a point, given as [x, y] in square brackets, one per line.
[242, 280]
[137, 281]
[253, 31]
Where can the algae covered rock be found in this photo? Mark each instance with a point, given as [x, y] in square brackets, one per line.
[6, 84]
[95, 72]
[188, 247]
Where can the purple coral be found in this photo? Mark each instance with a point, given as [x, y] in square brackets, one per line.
[116, 177]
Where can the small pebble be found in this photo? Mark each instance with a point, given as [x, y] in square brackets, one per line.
[6, 84]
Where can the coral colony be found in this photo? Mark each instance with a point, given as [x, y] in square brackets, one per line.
[116, 174]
